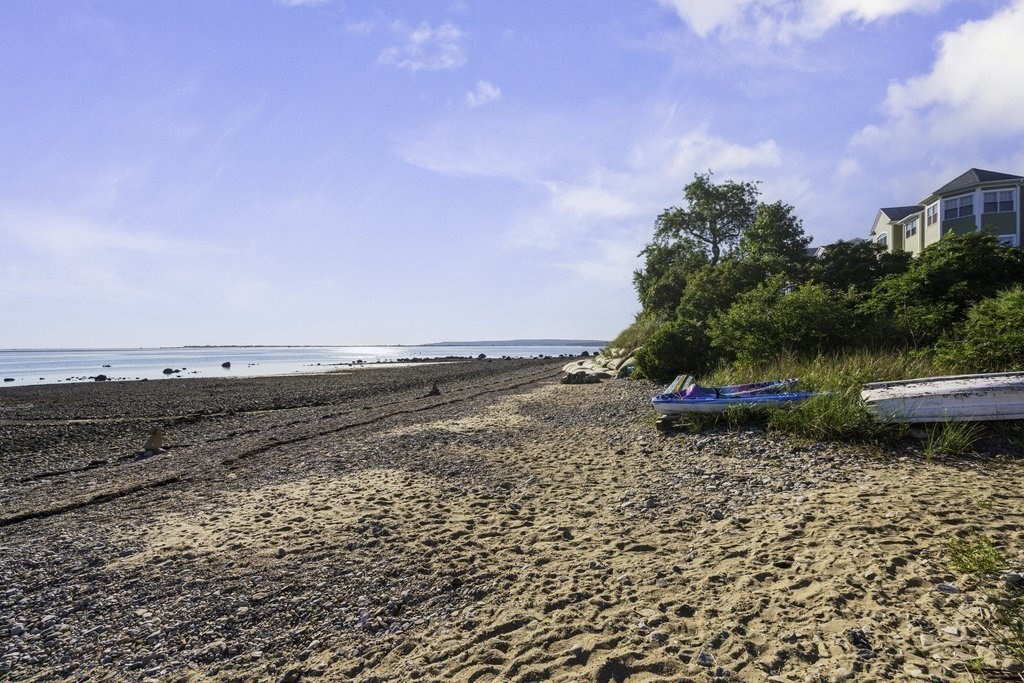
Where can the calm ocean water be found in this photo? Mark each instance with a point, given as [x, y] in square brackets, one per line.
[74, 365]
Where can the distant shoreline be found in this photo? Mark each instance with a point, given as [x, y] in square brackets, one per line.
[509, 342]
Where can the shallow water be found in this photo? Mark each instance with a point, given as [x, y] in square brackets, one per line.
[50, 366]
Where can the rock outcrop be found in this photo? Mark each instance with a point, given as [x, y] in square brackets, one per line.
[609, 363]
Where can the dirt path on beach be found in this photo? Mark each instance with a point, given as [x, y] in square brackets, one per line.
[539, 532]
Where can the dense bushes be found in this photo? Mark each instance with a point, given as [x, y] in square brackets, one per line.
[990, 340]
[722, 284]
[770, 321]
[933, 295]
[677, 346]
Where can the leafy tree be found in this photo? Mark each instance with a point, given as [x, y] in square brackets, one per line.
[712, 289]
[771, 320]
[942, 283]
[991, 338]
[776, 240]
[714, 216]
[856, 264]
[667, 265]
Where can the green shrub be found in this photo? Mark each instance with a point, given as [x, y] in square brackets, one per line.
[990, 340]
[942, 283]
[677, 346]
[770, 321]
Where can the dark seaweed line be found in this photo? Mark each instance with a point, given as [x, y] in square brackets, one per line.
[533, 379]
[95, 500]
[196, 416]
[114, 495]
[94, 464]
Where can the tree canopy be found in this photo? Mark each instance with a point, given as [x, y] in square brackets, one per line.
[714, 217]
[728, 278]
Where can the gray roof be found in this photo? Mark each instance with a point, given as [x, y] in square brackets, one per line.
[898, 213]
[972, 177]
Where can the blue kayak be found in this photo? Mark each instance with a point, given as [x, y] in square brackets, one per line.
[684, 396]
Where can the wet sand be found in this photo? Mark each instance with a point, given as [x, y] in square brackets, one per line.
[350, 527]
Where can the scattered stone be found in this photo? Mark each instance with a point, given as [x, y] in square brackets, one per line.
[227, 364]
[705, 659]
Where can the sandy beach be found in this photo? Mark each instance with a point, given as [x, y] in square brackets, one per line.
[349, 526]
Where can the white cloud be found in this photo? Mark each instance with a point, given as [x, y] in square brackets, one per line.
[426, 49]
[970, 95]
[785, 20]
[484, 93]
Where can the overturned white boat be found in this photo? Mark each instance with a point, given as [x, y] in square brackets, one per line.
[960, 398]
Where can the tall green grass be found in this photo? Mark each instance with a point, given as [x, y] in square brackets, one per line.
[832, 372]
[838, 414]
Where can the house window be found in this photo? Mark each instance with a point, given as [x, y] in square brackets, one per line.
[999, 202]
[958, 207]
[933, 214]
[1007, 240]
[882, 239]
[911, 228]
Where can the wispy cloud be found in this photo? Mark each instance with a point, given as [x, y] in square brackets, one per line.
[426, 48]
[783, 21]
[70, 236]
[590, 186]
[61, 255]
[484, 93]
[630, 193]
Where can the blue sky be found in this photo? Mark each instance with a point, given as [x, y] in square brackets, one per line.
[329, 172]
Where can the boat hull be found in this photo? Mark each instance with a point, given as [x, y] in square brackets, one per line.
[961, 398]
[683, 406]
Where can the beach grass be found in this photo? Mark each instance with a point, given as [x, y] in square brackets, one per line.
[978, 555]
[835, 372]
[951, 438]
[837, 414]
[975, 555]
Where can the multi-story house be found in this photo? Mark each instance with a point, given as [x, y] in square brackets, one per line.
[975, 200]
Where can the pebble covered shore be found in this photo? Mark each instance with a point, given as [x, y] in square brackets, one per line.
[349, 526]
